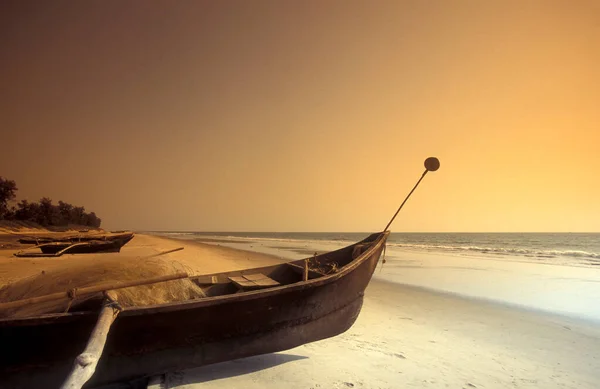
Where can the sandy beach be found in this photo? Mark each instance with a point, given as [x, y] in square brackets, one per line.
[197, 258]
[406, 336]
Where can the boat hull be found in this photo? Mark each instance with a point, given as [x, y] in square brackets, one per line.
[172, 337]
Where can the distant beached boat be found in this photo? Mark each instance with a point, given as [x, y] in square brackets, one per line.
[243, 313]
[65, 238]
[56, 248]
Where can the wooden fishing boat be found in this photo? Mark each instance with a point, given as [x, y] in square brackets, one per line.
[244, 313]
[60, 238]
[56, 249]
[92, 246]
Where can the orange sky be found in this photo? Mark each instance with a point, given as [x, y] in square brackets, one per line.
[306, 115]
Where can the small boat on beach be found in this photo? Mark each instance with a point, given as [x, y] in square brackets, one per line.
[243, 313]
[92, 246]
[86, 246]
[56, 249]
[84, 237]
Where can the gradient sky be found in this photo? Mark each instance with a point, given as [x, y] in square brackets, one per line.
[306, 115]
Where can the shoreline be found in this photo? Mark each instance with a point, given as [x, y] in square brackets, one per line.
[299, 245]
[494, 304]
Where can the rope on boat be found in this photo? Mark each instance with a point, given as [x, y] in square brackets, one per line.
[71, 294]
[383, 258]
[111, 301]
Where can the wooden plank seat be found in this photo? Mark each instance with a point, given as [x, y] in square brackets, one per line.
[211, 280]
[253, 281]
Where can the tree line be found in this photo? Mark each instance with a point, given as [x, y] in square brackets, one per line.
[42, 212]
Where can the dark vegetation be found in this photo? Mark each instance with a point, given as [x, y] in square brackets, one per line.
[43, 212]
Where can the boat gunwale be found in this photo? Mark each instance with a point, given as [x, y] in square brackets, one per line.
[209, 301]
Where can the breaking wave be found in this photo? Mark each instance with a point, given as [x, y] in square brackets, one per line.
[502, 250]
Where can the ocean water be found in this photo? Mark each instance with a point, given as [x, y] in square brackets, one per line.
[575, 249]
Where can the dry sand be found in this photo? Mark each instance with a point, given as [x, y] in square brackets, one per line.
[197, 258]
[405, 337]
[46, 275]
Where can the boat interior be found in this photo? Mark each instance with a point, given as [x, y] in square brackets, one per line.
[284, 274]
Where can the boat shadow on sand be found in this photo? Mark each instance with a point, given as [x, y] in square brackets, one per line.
[231, 368]
[209, 373]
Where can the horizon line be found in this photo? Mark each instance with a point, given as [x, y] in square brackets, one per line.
[372, 232]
